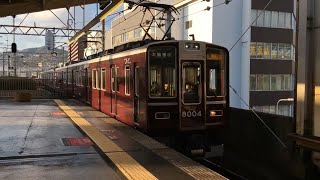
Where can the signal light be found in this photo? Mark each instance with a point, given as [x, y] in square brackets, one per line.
[14, 47]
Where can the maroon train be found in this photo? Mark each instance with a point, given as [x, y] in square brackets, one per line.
[165, 87]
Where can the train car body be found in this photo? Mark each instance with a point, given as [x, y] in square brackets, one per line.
[160, 88]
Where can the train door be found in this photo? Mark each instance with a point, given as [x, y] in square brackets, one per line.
[192, 96]
[114, 88]
[136, 100]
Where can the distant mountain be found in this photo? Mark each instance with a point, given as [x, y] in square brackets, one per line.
[43, 49]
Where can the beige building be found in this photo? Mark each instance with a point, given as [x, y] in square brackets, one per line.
[127, 28]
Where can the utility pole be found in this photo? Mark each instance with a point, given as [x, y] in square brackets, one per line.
[308, 83]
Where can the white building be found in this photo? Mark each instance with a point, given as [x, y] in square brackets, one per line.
[49, 40]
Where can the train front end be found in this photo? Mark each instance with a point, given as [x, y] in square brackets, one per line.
[188, 86]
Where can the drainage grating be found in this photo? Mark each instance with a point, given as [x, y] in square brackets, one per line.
[84, 141]
[58, 114]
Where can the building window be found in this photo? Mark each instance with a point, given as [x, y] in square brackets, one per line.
[253, 82]
[253, 49]
[288, 23]
[271, 51]
[287, 51]
[124, 37]
[253, 17]
[287, 82]
[277, 82]
[259, 50]
[263, 82]
[94, 78]
[272, 19]
[260, 19]
[103, 79]
[137, 33]
[266, 50]
[274, 51]
[281, 21]
[188, 24]
[127, 80]
[267, 18]
[284, 110]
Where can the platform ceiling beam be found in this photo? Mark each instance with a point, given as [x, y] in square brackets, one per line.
[10, 8]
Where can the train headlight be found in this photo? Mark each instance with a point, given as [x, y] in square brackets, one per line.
[213, 113]
[192, 46]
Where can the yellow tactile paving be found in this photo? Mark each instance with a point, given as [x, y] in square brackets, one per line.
[129, 167]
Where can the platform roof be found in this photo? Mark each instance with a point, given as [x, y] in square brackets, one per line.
[15, 7]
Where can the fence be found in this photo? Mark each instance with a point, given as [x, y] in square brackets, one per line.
[39, 88]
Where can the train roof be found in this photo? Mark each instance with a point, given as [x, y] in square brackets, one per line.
[127, 49]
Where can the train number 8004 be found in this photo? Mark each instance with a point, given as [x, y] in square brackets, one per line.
[191, 114]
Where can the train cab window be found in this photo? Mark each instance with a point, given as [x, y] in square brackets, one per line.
[127, 80]
[103, 79]
[215, 72]
[191, 79]
[162, 72]
[94, 78]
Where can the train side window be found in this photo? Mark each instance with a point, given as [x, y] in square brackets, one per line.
[70, 77]
[162, 72]
[117, 80]
[76, 78]
[80, 78]
[98, 83]
[103, 79]
[127, 80]
[215, 72]
[114, 79]
[94, 78]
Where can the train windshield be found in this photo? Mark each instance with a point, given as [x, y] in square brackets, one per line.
[215, 72]
[162, 71]
[192, 82]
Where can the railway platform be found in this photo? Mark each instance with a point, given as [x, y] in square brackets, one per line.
[66, 139]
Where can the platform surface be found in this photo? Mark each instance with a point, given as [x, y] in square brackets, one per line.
[31, 146]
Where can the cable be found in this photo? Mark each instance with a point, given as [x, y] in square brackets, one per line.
[23, 19]
[207, 9]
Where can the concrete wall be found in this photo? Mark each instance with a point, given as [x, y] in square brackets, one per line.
[227, 28]
[252, 151]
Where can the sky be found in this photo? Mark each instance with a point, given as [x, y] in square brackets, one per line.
[43, 19]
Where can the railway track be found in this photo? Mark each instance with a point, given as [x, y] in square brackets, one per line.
[217, 168]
